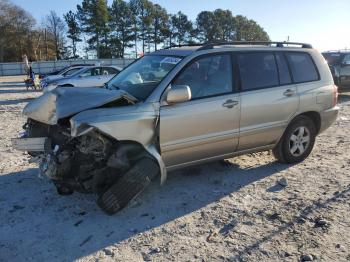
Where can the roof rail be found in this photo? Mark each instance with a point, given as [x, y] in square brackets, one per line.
[337, 51]
[278, 44]
[184, 45]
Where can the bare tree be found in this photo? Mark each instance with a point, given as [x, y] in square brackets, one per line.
[56, 27]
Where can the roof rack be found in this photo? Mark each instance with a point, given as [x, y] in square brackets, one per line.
[185, 45]
[211, 45]
[278, 44]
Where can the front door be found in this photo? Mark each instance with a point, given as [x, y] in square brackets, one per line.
[207, 126]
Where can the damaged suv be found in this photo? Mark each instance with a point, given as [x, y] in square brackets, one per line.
[178, 107]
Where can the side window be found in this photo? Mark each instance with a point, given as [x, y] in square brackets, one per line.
[87, 73]
[71, 71]
[109, 71]
[302, 66]
[283, 69]
[208, 76]
[91, 72]
[346, 59]
[258, 70]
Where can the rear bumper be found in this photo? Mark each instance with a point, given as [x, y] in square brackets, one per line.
[328, 117]
[38, 144]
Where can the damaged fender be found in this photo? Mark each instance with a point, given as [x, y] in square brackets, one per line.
[132, 123]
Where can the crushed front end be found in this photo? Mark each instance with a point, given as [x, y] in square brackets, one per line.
[93, 141]
[91, 163]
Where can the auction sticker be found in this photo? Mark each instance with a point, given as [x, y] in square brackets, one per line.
[171, 60]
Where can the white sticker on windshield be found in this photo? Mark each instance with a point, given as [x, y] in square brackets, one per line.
[171, 60]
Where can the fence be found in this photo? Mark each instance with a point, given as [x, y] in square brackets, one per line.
[42, 67]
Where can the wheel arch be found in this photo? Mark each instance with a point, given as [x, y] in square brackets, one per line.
[315, 117]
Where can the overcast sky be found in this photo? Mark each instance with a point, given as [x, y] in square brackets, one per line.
[323, 23]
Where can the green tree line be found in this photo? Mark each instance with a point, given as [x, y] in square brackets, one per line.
[124, 28]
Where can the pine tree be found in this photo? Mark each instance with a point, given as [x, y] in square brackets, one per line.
[249, 30]
[93, 16]
[74, 31]
[160, 19]
[121, 22]
[182, 28]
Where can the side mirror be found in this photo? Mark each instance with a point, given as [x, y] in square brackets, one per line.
[178, 94]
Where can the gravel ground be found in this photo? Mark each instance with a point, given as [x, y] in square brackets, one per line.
[234, 210]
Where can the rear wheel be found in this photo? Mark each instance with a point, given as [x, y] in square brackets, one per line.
[297, 142]
[132, 183]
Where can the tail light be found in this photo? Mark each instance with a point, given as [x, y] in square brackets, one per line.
[335, 95]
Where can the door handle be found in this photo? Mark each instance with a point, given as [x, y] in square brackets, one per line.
[230, 103]
[289, 92]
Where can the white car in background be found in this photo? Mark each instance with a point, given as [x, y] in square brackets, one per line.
[64, 73]
[90, 76]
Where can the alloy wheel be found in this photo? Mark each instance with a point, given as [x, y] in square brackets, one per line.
[299, 141]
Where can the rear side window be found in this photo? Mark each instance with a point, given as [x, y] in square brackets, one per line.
[258, 70]
[283, 69]
[303, 68]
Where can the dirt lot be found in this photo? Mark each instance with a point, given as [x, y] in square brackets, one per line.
[224, 211]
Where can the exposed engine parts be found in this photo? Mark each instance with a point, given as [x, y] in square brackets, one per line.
[94, 163]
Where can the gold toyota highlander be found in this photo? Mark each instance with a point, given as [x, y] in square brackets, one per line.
[178, 107]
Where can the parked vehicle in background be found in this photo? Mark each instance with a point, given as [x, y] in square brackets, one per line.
[179, 107]
[91, 76]
[339, 64]
[65, 73]
[59, 71]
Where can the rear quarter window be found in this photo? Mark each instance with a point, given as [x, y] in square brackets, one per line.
[303, 67]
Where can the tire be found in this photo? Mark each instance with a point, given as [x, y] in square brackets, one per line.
[297, 141]
[130, 185]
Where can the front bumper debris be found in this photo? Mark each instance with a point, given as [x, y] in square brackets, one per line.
[37, 144]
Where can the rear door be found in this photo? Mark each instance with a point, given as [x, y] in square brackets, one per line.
[268, 98]
[207, 126]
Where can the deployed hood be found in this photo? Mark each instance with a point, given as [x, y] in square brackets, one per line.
[67, 101]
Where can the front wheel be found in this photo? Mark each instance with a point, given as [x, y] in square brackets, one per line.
[297, 142]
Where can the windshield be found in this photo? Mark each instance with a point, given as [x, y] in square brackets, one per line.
[143, 76]
[332, 58]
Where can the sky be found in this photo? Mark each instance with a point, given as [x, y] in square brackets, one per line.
[323, 23]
